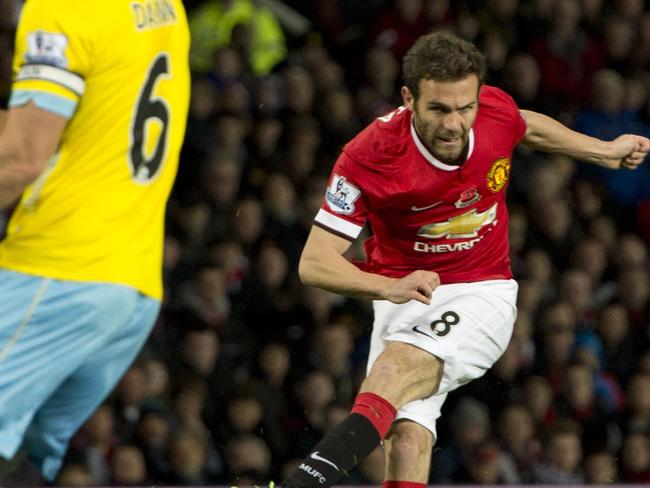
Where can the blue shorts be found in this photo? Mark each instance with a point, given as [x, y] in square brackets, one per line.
[63, 347]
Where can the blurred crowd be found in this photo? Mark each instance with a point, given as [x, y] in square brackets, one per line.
[246, 368]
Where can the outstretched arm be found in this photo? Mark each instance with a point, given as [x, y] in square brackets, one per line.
[322, 264]
[546, 134]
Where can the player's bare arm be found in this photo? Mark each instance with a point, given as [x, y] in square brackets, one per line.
[322, 264]
[546, 134]
[29, 139]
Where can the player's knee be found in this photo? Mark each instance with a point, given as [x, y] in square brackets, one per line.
[408, 443]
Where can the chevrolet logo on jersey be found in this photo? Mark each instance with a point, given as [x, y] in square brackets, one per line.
[465, 225]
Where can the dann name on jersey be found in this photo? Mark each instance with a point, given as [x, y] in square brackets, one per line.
[153, 13]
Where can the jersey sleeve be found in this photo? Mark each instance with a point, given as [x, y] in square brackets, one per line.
[505, 109]
[345, 206]
[519, 122]
[52, 57]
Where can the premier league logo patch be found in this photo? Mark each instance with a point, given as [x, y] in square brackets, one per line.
[498, 175]
[46, 48]
[341, 195]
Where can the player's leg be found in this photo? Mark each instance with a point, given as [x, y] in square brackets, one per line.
[407, 451]
[416, 351]
[470, 327]
[43, 337]
[408, 445]
[83, 391]
[401, 373]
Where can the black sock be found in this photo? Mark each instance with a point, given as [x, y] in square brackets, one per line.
[336, 454]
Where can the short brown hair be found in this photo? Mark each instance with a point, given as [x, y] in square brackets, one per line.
[441, 56]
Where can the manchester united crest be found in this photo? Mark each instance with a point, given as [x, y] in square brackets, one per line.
[498, 175]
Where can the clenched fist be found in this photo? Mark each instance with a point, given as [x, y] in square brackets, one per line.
[418, 285]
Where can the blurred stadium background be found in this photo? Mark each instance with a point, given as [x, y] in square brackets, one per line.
[246, 368]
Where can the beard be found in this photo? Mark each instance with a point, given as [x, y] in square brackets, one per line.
[444, 146]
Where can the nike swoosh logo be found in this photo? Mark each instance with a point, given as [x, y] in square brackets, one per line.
[416, 328]
[420, 209]
[314, 455]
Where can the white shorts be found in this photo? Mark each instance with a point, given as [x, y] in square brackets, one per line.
[467, 325]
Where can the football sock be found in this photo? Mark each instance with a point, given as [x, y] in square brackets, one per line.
[402, 484]
[346, 445]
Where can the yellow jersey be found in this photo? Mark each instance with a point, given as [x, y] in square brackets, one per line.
[119, 70]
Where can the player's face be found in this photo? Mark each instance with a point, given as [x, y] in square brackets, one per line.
[443, 114]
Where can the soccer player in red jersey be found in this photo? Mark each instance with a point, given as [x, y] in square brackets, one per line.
[430, 179]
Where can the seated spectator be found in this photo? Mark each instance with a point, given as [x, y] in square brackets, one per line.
[636, 417]
[567, 55]
[94, 443]
[607, 118]
[487, 464]
[332, 346]
[152, 436]
[248, 460]
[74, 475]
[517, 437]
[561, 455]
[470, 427]
[539, 400]
[635, 458]
[620, 344]
[600, 468]
[188, 463]
[128, 467]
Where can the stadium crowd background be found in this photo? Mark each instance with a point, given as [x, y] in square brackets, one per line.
[247, 368]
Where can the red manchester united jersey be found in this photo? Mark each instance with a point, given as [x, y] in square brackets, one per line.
[425, 214]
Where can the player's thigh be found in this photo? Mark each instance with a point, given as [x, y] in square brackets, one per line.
[83, 391]
[47, 329]
[51, 328]
[403, 372]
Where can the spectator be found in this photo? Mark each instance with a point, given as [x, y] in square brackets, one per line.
[516, 433]
[188, 460]
[331, 353]
[636, 418]
[470, 427]
[94, 443]
[538, 398]
[253, 30]
[562, 455]
[601, 468]
[620, 343]
[73, 475]
[248, 460]
[152, 437]
[128, 467]
[566, 54]
[635, 458]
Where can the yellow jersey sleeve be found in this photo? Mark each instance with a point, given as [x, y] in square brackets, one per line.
[53, 56]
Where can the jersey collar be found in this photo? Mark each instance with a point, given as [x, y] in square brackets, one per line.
[431, 158]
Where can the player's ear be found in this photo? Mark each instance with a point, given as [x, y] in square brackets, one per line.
[408, 98]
